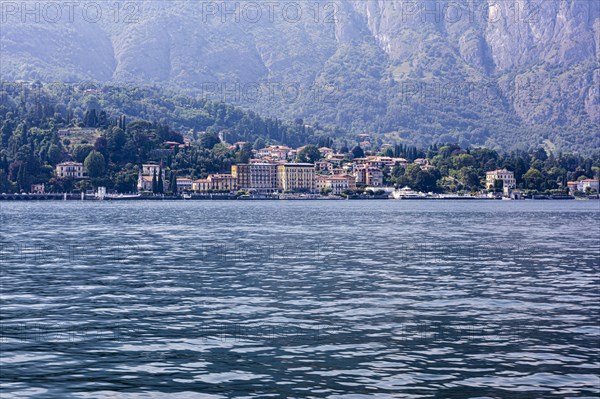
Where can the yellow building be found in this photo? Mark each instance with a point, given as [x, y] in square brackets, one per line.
[201, 185]
[223, 182]
[243, 175]
[297, 177]
[215, 183]
[338, 184]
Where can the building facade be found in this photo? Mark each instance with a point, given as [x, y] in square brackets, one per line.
[243, 174]
[276, 151]
[589, 183]
[150, 169]
[146, 176]
[201, 185]
[70, 169]
[256, 177]
[219, 182]
[323, 166]
[369, 176]
[583, 185]
[337, 184]
[296, 177]
[507, 177]
[184, 184]
[144, 183]
[222, 182]
[38, 188]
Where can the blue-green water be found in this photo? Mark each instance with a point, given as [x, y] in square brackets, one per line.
[342, 299]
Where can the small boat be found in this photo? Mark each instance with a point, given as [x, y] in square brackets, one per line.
[117, 197]
[407, 193]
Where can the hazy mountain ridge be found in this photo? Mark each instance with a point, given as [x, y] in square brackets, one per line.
[511, 75]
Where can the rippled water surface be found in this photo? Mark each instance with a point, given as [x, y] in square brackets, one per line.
[323, 299]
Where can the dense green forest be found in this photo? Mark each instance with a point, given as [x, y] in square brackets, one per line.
[130, 126]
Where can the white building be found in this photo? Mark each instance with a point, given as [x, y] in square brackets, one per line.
[507, 177]
[70, 169]
[583, 185]
[147, 174]
[184, 184]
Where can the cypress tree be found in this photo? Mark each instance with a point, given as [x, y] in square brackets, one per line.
[154, 182]
[174, 183]
[160, 188]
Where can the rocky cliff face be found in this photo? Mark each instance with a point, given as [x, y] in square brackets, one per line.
[485, 72]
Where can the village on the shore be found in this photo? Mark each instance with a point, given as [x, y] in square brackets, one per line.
[80, 143]
[274, 172]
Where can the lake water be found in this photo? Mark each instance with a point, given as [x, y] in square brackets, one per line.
[323, 299]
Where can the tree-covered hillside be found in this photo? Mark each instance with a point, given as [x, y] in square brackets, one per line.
[127, 126]
[114, 130]
[507, 75]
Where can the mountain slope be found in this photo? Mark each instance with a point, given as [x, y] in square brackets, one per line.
[504, 74]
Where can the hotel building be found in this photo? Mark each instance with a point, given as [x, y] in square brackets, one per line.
[217, 182]
[296, 177]
[256, 177]
[201, 185]
[223, 182]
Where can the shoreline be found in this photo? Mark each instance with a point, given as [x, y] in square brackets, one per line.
[79, 197]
